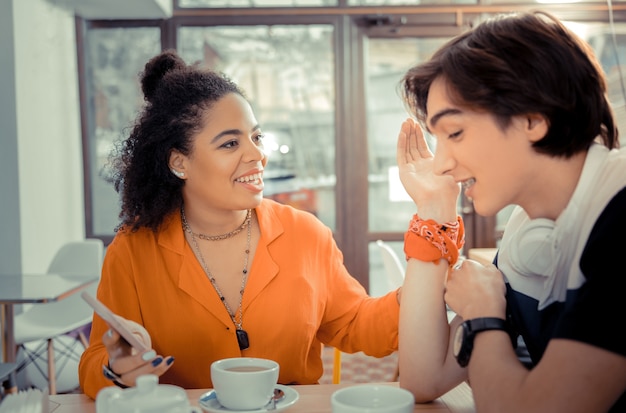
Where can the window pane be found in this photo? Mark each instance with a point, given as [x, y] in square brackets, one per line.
[390, 208]
[539, 2]
[114, 57]
[255, 3]
[612, 57]
[287, 73]
[408, 2]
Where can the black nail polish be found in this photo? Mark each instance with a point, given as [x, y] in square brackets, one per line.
[157, 361]
[170, 361]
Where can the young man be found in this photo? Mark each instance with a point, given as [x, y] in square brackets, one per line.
[519, 110]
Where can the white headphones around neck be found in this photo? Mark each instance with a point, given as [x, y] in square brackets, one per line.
[531, 248]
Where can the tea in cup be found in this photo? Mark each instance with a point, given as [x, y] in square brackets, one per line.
[372, 398]
[244, 383]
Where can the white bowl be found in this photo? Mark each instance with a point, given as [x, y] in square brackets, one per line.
[372, 398]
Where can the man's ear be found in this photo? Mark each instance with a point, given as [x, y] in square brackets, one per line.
[536, 126]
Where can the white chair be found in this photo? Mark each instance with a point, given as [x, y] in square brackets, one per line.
[394, 269]
[50, 320]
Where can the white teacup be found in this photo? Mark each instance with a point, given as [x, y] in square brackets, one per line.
[244, 383]
[147, 397]
[372, 398]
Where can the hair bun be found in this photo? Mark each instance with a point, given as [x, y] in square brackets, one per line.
[157, 68]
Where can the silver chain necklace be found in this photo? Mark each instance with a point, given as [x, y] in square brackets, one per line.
[242, 335]
[227, 235]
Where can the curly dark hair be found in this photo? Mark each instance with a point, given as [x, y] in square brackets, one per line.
[522, 63]
[177, 97]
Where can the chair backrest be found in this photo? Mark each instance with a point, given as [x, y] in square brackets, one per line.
[43, 321]
[393, 267]
[78, 258]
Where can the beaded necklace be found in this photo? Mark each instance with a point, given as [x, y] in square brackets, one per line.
[242, 335]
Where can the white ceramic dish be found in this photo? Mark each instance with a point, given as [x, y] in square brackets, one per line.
[208, 401]
[372, 398]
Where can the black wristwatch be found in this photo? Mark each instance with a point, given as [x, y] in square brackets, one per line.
[464, 335]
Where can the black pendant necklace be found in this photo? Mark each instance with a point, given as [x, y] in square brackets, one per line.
[242, 339]
[242, 335]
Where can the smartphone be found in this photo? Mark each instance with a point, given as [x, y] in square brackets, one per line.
[108, 316]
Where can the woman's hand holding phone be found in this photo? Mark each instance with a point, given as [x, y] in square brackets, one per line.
[128, 346]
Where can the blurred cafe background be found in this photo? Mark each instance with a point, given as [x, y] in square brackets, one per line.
[322, 76]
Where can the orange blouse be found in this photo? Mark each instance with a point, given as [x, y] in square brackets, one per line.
[298, 296]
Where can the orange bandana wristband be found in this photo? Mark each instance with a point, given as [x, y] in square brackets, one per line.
[426, 240]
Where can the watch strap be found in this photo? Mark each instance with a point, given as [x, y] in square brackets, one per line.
[473, 327]
[476, 325]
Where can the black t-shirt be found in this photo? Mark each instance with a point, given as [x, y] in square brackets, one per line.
[592, 312]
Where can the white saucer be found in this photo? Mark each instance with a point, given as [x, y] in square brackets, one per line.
[208, 401]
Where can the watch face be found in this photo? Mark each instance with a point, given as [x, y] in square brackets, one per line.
[458, 339]
[464, 336]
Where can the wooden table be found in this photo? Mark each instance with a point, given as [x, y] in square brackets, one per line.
[32, 288]
[313, 399]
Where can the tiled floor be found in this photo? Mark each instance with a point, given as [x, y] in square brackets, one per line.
[360, 368]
